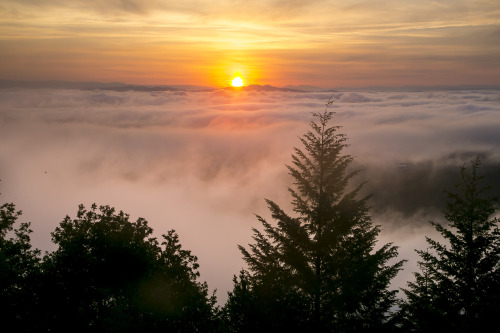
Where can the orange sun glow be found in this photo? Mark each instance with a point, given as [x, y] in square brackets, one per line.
[237, 82]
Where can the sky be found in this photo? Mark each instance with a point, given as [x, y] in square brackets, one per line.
[202, 163]
[341, 43]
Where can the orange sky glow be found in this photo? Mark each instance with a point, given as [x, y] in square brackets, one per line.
[323, 43]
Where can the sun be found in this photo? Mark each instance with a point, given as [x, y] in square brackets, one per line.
[237, 82]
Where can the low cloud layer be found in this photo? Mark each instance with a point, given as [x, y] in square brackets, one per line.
[202, 162]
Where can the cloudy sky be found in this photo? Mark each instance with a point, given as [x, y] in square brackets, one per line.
[278, 42]
[203, 162]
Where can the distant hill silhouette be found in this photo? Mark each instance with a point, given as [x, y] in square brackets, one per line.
[119, 86]
[113, 86]
[309, 88]
[258, 87]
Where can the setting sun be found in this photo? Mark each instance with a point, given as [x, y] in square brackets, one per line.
[237, 82]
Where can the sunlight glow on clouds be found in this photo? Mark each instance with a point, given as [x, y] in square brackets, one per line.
[203, 162]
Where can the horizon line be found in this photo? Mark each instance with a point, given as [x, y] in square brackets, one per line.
[107, 85]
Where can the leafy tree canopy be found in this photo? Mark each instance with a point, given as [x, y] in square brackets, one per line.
[18, 265]
[111, 274]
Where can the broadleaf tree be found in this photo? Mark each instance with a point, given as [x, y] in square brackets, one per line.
[318, 268]
[458, 286]
[109, 274]
[19, 264]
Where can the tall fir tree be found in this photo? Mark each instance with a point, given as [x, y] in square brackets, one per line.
[318, 269]
[458, 288]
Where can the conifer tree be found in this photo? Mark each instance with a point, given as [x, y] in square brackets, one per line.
[319, 266]
[458, 288]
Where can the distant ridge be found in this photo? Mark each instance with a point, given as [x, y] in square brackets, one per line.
[119, 86]
[258, 87]
[308, 88]
[423, 88]
[113, 86]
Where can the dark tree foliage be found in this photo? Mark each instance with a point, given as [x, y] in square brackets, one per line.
[319, 269]
[18, 266]
[264, 307]
[110, 275]
[458, 287]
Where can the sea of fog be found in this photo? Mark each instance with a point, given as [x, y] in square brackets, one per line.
[203, 162]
